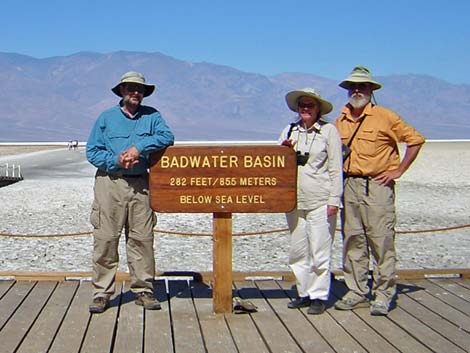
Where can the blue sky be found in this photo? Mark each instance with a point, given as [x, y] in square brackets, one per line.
[326, 38]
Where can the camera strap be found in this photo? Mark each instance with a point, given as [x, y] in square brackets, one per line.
[292, 125]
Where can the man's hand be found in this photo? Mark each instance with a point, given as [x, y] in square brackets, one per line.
[128, 159]
[387, 177]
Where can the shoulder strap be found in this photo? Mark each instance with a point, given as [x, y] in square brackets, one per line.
[292, 125]
[355, 132]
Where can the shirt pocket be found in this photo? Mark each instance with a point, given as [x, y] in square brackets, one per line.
[116, 134]
[143, 127]
[367, 142]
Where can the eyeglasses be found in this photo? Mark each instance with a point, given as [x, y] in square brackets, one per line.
[359, 86]
[132, 87]
[306, 105]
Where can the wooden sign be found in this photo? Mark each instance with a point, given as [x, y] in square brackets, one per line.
[240, 179]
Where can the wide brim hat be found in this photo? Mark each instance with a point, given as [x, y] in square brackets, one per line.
[292, 100]
[134, 77]
[360, 74]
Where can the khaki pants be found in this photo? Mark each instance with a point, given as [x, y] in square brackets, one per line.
[122, 203]
[368, 220]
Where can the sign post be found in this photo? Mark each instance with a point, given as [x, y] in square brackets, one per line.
[222, 180]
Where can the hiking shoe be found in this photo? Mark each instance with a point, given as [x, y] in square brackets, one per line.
[352, 303]
[99, 305]
[317, 307]
[378, 308]
[299, 302]
[148, 301]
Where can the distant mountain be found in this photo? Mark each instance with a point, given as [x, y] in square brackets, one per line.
[59, 98]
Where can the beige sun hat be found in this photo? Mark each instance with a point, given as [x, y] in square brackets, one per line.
[360, 74]
[292, 99]
[134, 77]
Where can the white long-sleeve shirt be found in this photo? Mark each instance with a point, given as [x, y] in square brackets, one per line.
[320, 180]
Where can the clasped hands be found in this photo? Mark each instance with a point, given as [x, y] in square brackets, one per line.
[128, 159]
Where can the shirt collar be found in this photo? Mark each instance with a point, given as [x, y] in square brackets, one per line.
[346, 111]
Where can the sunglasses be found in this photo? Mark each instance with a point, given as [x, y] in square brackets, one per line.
[360, 86]
[135, 87]
[307, 105]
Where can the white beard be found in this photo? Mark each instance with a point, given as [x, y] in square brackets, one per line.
[359, 100]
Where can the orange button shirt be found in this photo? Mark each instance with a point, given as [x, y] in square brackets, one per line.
[374, 149]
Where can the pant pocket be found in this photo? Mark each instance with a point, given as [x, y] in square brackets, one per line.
[95, 216]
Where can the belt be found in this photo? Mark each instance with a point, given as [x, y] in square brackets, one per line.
[130, 175]
[121, 175]
[364, 177]
[357, 176]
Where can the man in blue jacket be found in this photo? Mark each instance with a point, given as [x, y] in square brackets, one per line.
[120, 145]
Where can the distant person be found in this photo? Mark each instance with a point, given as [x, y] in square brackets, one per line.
[319, 186]
[119, 146]
[73, 144]
[370, 171]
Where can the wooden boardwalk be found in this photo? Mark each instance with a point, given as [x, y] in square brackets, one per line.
[432, 315]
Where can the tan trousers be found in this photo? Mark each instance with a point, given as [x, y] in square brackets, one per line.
[368, 220]
[122, 203]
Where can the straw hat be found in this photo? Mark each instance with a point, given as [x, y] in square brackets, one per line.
[360, 74]
[134, 77]
[292, 99]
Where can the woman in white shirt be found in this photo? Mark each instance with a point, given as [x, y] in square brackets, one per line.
[319, 187]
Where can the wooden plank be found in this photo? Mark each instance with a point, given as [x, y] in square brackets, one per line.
[296, 321]
[386, 328]
[454, 287]
[58, 276]
[422, 333]
[438, 306]
[99, 337]
[364, 334]
[187, 333]
[425, 272]
[244, 332]
[434, 321]
[273, 332]
[464, 283]
[158, 330]
[5, 286]
[328, 328]
[73, 328]
[463, 273]
[446, 296]
[130, 326]
[15, 330]
[42, 333]
[222, 245]
[12, 299]
[215, 331]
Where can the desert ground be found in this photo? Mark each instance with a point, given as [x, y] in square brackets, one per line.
[433, 194]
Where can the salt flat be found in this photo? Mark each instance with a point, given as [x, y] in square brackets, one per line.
[435, 193]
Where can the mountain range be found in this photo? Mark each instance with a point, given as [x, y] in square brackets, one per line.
[59, 98]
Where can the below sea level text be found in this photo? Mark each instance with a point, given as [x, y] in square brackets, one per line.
[221, 199]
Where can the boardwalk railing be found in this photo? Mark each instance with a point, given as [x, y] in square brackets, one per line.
[9, 174]
[10, 170]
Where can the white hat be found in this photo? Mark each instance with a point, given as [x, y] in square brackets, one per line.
[292, 100]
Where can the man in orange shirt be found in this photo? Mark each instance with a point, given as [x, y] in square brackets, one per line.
[368, 218]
